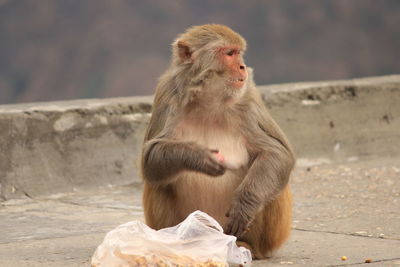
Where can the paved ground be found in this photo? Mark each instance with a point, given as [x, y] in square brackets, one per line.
[350, 210]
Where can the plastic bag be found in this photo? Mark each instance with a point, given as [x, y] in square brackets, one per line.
[197, 241]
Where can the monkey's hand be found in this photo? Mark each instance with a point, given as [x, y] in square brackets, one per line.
[239, 220]
[210, 162]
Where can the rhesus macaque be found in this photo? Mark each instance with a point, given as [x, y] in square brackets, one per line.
[211, 145]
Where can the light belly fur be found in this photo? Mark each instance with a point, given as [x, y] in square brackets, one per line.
[213, 195]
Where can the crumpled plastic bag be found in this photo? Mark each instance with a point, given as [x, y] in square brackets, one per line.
[197, 241]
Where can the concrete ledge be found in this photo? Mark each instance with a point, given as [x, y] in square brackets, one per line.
[56, 147]
[339, 120]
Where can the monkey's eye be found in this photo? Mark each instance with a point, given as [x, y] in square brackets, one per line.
[230, 52]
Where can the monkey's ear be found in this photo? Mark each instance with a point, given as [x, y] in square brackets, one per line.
[184, 52]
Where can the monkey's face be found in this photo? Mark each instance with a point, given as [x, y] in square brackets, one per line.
[234, 68]
[210, 57]
[225, 75]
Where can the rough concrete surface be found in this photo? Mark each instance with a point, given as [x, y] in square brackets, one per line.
[61, 146]
[338, 120]
[349, 209]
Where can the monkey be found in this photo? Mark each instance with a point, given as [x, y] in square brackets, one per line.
[211, 144]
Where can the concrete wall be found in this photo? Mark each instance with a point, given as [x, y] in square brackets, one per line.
[63, 146]
[339, 120]
[54, 147]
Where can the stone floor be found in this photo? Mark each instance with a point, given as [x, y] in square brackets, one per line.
[350, 209]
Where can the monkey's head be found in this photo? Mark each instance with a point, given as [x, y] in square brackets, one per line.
[212, 55]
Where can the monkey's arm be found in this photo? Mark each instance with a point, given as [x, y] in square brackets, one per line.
[163, 158]
[268, 175]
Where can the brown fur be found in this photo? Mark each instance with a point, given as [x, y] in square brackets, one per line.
[196, 111]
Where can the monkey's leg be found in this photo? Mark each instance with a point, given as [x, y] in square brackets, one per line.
[159, 207]
[271, 227]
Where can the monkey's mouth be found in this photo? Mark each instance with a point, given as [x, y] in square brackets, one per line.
[237, 82]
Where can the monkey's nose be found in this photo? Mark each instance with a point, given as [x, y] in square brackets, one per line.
[242, 67]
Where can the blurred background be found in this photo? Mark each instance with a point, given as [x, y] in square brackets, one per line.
[69, 49]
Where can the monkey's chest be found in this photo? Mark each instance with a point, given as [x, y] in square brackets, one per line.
[230, 144]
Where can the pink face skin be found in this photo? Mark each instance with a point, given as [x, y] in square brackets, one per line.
[232, 59]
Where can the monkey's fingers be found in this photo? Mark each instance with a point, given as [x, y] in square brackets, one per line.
[232, 228]
[216, 170]
[219, 157]
[228, 229]
[237, 227]
[213, 167]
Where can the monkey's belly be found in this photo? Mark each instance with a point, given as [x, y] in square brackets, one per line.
[212, 195]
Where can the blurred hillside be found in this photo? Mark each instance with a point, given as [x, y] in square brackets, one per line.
[53, 50]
